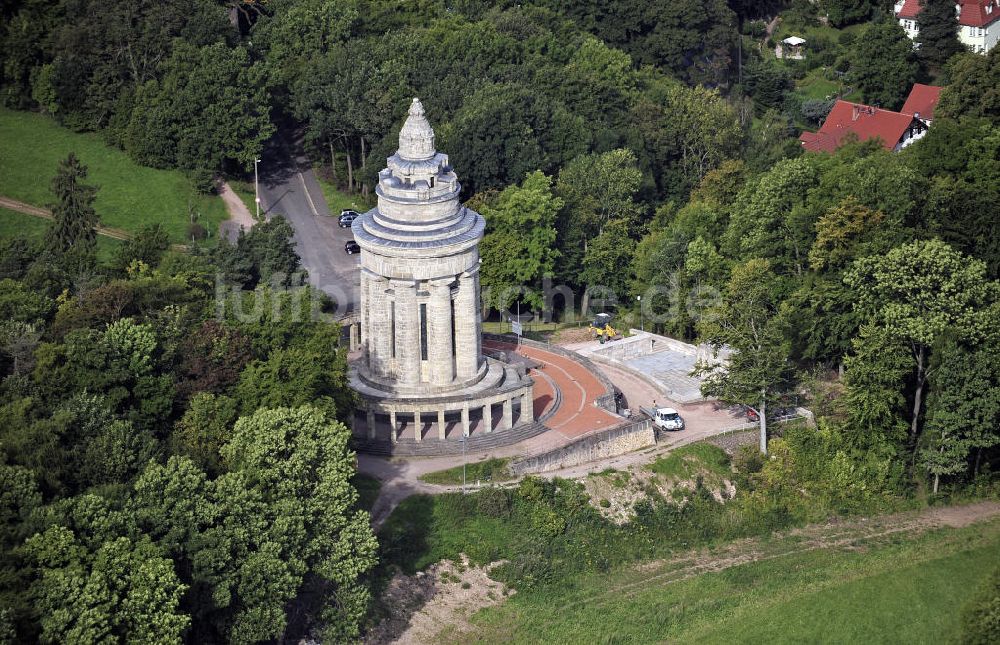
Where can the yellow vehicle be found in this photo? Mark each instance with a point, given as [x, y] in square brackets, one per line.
[602, 328]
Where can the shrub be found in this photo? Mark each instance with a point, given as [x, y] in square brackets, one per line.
[203, 181]
[815, 110]
[605, 503]
[493, 502]
[526, 570]
[196, 231]
[981, 619]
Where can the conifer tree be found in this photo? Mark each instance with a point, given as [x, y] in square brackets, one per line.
[73, 213]
[938, 35]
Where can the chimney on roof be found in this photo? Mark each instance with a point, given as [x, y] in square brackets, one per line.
[855, 112]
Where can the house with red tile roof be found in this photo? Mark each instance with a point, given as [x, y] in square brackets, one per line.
[855, 121]
[979, 21]
[922, 101]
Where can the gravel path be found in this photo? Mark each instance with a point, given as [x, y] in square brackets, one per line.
[239, 215]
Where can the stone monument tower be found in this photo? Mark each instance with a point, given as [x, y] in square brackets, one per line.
[420, 317]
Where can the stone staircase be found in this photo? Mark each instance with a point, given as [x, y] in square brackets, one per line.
[407, 447]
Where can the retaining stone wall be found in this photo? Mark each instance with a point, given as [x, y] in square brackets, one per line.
[600, 445]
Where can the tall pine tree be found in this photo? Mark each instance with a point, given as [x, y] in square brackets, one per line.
[938, 35]
[73, 213]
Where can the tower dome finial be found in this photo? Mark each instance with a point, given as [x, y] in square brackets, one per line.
[416, 138]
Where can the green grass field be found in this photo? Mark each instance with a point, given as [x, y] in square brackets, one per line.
[896, 589]
[244, 190]
[368, 488]
[688, 461]
[338, 201]
[129, 197]
[494, 470]
[13, 223]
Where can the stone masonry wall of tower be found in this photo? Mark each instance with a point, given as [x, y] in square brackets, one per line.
[420, 253]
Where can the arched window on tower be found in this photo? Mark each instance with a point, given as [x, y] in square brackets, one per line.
[392, 327]
[423, 331]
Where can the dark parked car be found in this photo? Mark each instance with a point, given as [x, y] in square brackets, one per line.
[347, 218]
[351, 247]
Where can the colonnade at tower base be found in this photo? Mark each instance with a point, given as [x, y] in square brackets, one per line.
[496, 410]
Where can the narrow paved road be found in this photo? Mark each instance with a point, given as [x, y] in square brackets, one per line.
[288, 187]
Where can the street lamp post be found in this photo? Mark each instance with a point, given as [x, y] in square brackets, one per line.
[463, 463]
[256, 187]
[641, 324]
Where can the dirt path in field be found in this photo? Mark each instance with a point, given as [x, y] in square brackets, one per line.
[429, 610]
[43, 213]
[836, 534]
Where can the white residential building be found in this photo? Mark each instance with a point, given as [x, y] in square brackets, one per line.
[979, 22]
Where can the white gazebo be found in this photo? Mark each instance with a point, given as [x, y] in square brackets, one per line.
[791, 47]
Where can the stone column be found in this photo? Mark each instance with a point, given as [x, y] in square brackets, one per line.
[407, 331]
[363, 311]
[467, 325]
[442, 428]
[527, 407]
[355, 336]
[442, 361]
[371, 423]
[466, 430]
[508, 414]
[488, 417]
[379, 332]
[392, 426]
[418, 427]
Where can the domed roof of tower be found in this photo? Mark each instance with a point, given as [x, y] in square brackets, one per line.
[416, 139]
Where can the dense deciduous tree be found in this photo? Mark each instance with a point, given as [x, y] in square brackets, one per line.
[265, 255]
[608, 258]
[281, 522]
[519, 247]
[746, 323]
[917, 292]
[938, 37]
[595, 189]
[773, 219]
[682, 133]
[839, 233]
[208, 108]
[848, 12]
[503, 132]
[205, 427]
[883, 66]
[690, 38]
[974, 87]
[118, 590]
[146, 246]
[296, 376]
[877, 372]
[963, 408]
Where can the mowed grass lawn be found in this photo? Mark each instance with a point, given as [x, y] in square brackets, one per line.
[899, 589]
[13, 224]
[338, 200]
[129, 196]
